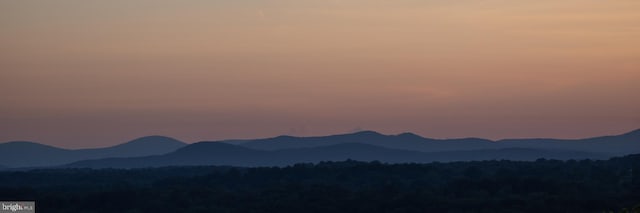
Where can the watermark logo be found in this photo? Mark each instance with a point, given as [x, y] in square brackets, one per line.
[17, 206]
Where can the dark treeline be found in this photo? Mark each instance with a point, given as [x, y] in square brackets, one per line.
[349, 186]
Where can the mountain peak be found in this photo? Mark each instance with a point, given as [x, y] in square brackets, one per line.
[367, 133]
[633, 133]
[148, 145]
[153, 140]
[408, 135]
[285, 137]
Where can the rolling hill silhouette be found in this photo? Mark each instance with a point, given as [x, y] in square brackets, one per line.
[406, 141]
[218, 153]
[157, 151]
[624, 144]
[30, 154]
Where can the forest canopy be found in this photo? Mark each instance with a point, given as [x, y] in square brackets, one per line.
[347, 186]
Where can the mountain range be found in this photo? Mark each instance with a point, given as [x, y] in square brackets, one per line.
[156, 151]
[628, 143]
[216, 153]
[30, 154]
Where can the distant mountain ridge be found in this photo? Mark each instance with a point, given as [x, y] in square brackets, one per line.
[284, 150]
[406, 141]
[373, 146]
[217, 153]
[628, 143]
[30, 154]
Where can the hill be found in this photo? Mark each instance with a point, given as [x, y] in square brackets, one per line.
[31, 154]
[617, 145]
[218, 153]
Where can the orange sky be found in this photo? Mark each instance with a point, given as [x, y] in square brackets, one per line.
[95, 73]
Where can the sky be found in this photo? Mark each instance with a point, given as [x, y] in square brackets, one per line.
[78, 73]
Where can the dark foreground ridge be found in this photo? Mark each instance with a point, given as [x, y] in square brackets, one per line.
[347, 186]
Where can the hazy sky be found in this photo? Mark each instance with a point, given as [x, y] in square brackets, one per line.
[90, 73]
